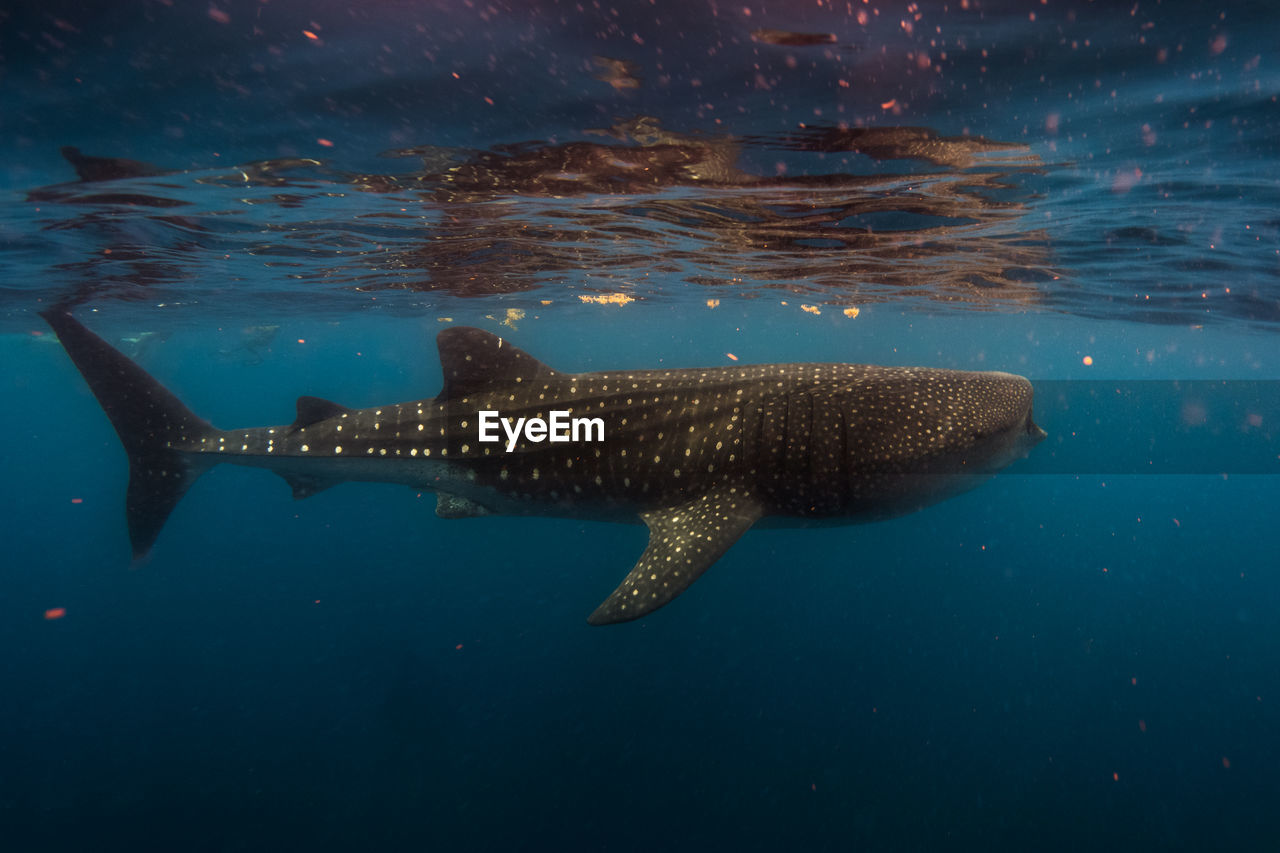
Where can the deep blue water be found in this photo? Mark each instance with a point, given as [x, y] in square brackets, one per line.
[1082, 652]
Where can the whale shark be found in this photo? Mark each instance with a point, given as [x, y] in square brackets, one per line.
[699, 455]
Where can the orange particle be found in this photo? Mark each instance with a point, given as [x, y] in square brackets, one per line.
[1115, 777]
[216, 14]
[731, 356]
[326, 143]
[1125, 181]
[810, 309]
[713, 303]
[302, 340]
[1088, 361]
[77, 500]
[458, 647]
[606, 298]
[455, 76]
[311, 35]
[35, 333]
[851, 312]
[544, 301]
[1226, 763]
[55, 613]
[889, 104]
[488, 100]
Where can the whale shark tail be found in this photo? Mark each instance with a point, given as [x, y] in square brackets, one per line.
[150, 421]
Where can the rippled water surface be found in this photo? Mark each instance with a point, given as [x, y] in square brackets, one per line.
[1070, 158]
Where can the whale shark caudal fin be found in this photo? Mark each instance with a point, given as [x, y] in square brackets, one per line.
[147, 417]
[683, 542]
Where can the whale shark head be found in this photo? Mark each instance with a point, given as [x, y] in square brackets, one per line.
[958, 420]
[1000, 422]
[917, 435]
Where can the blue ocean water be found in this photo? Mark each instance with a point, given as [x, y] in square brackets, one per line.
[262, 200]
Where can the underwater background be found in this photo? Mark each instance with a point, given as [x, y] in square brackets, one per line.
[260, 200]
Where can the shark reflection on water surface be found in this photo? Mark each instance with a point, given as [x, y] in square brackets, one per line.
[868, 214]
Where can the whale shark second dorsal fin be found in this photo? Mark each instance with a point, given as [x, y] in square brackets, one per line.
[473, 359]
[312, 410]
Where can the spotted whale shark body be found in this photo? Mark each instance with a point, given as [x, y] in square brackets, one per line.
[699, 455]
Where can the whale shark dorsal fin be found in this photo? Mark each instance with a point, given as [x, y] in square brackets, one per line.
[683, 542]
[473, 359]
[312, 410]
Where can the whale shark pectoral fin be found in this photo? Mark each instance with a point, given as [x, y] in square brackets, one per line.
[454, 506]
[683, 543]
